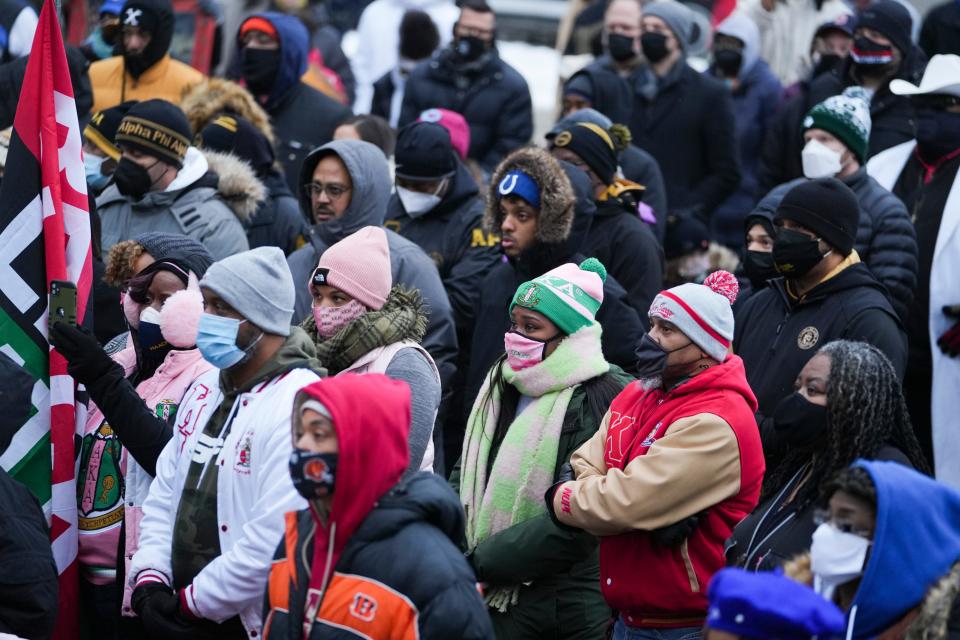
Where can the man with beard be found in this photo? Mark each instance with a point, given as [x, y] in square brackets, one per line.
[469, 77]
[144, 70]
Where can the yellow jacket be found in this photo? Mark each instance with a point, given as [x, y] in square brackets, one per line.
[166, 80]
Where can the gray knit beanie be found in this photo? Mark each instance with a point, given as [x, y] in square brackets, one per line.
[679, 18]
[258, 284]
[182, 249]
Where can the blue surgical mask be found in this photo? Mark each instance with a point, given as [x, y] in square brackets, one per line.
[93, 167]
[217, 341]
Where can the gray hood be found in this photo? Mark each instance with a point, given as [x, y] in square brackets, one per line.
[743, 28]
[370, 175]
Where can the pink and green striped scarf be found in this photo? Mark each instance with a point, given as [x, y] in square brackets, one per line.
[526, 460]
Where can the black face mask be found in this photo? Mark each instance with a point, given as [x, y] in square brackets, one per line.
[652, 358]
[799, 422]
[260, 69]
[132, 179]
[758, 265]
[938, 133]
[728, 61]
[867, 53]
[620, 47]
[654, 46]
[470, 48]
[314, 475]
[795, 254]
[825, 63]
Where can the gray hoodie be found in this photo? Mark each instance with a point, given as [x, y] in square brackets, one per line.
[192, 205]
[411, 267]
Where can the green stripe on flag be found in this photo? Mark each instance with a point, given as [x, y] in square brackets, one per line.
[34, 360]
[34, 468]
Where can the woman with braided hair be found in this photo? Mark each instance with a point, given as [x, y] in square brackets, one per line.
[848, 404]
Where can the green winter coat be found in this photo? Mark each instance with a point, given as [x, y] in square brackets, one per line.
[563, 599]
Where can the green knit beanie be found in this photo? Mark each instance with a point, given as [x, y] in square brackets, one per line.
[569, 296]
[846, 117]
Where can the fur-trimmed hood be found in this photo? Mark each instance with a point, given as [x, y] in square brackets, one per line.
[213, 96]
[556, 195]
[238, 184]
[928, 621]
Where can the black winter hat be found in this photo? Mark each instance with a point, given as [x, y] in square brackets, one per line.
[102, 128]
[594, 146]
[177, 248]
[827, 207]
[892, 20]
[232, 134]
[157, 128]
[685, 235]
[419, 37]
[424, 152]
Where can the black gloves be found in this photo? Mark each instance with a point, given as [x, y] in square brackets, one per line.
[949, 342]
[163, 619]
[86, 359]
[673, 535]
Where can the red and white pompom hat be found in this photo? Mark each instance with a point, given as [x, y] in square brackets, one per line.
[701, 311]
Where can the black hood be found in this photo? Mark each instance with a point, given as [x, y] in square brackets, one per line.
[155, 17]
[424, 497]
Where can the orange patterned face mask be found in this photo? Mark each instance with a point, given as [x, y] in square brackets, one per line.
[330, 320]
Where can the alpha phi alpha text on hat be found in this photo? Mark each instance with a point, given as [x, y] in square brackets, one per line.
[157, 128]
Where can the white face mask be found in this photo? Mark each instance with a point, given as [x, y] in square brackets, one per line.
[416, 204]
[836, 558]
[820, 161]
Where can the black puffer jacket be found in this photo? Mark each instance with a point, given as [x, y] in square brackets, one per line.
[452, 235]
[278, 222]
[776, 335]
[562, 233]
[892, 117]
[408, 546]
[685, 120]
[886, 239]
[490, 94]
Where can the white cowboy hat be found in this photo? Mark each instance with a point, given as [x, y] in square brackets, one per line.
[941, 77]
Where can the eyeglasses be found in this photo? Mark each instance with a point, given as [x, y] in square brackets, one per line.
[333, 191]
[822, 516]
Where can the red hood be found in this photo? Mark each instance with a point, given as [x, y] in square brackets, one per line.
[728, 375]
[371, 415]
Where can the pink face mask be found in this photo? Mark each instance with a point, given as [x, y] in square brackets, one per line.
[331, 319]
[523, 351]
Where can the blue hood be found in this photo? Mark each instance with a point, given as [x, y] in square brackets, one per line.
[915, 543]
[740, 26]
[294, 49]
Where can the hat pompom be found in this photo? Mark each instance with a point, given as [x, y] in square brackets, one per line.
[180, 318]
[594, 265]
[724, 283]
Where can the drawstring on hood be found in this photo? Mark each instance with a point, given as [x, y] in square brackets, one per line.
[367, 412]
[370, 175]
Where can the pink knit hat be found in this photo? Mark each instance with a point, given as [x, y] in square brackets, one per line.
[453, 122]
[358, 265]
[702, 312]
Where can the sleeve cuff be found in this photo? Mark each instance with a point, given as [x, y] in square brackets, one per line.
[151, 575]
[187, 603]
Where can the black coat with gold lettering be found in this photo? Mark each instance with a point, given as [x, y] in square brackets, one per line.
[452, 235]
[776, 335]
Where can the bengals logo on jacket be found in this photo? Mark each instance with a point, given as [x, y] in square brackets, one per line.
[357, 604]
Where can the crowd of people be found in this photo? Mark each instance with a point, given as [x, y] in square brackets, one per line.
[366, 360]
